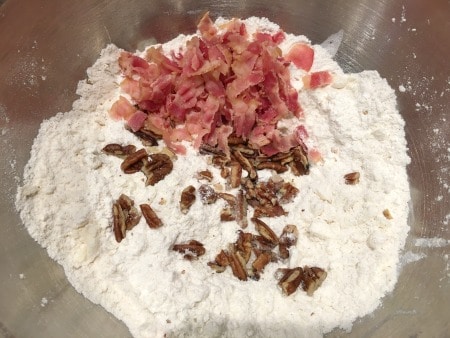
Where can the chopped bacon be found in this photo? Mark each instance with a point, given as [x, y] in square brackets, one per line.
[317, 80]
[122, 109]
[136, 121]
[222, 82]
[301, 55]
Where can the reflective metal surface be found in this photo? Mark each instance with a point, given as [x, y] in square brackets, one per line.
[46, 45]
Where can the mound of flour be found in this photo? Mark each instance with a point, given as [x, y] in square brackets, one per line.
[69, 186]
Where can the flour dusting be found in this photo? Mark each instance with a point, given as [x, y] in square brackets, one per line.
[69, 186]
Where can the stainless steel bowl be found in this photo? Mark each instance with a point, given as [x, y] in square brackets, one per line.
[46, 45]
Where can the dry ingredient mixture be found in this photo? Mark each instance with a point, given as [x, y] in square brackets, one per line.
[285, 221]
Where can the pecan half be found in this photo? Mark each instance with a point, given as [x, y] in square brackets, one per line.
[265, 231]
[150, 216]
[207, 194]
[312, 279]
[288, 238]
[133, 162]
[191, 250]
[119, 150]
[155, 170]
[352, 178]
[187, 199]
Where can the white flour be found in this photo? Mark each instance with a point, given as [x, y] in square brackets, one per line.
[69, 186]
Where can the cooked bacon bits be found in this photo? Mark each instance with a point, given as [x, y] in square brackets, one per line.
[191, 250]
[224, 82]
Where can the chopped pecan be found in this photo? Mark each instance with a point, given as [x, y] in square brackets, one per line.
[237, 264]
[229, 198]
[155, 170]
[206, 149]
[312, 279]
[261, 261]
[288, 238]
[235, 140]
[150, 216]
[265, 231]
[191, 250]
[216, 267]
[246, 165]
[245, 150]
[261, 244]
[119, 150]
[300, 164]
[352, 178]
[287, 193]
[220, 161]
[241, 209]
[133, 162]
[227, 214]
[225, 172]
[269, 211]
[187, 199]
[235, 174]
[387, 214]
[147, 137]
[244, 245]
[130, 212]
[291, 279]
[207, 194]
[222, 259]
[119, 226]
[205, 175]
[125, 216]
[277, 166]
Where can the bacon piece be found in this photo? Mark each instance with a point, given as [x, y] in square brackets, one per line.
[136, 121]
[122, 109]
[317, 80]
[301, 55]
[206, 27]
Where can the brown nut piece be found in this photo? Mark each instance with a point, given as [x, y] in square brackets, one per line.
[133, 162]
[155, 170]
[187, 199]
[290, 280]
[265, 231]
[207, 194]
[150, 216]
[119, 150]
[312, 279]
[191, 250]
[352, 178]
[288, 238]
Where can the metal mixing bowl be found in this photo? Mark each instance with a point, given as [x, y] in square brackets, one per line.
[46, 45]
